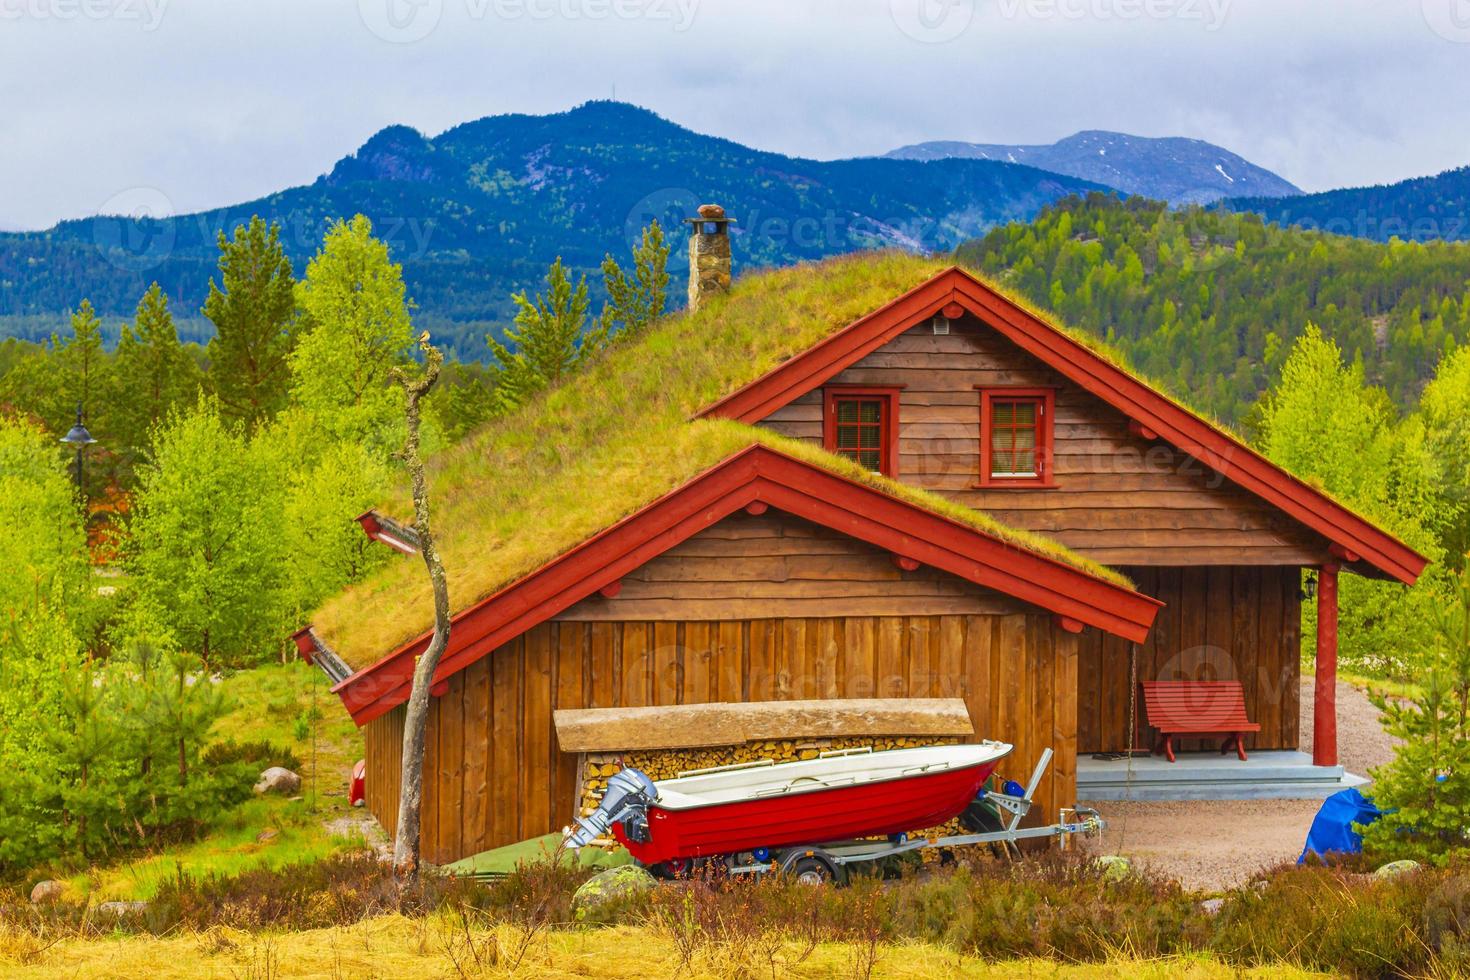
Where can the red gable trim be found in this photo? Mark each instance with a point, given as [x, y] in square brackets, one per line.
[757, 475]
[1148, 408]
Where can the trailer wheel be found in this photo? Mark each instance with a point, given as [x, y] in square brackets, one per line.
[811, 866]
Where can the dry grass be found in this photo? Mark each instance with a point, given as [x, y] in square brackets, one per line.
[441, 946]
[617, 436]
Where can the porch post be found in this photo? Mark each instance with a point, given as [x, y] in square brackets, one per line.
[1324, 714]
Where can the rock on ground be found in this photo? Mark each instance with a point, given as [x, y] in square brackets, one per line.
[610, 885]
[47, 892]
[278, 780]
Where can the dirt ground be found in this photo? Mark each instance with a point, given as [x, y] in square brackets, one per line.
[1220, 844]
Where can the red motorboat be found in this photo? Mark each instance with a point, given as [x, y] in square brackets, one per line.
[837, 796]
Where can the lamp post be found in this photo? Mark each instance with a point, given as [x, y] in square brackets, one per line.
[81, 438]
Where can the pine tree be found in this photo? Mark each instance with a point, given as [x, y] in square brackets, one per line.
[1426, 787]
[635, 303]
[548, 340]
[155, 375]
[252, 309]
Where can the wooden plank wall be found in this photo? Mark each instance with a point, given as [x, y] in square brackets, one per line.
[495, 775]
[1219, 623]
[776, 566]
[1120, 499]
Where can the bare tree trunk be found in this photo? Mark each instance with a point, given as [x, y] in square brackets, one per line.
[410, 800]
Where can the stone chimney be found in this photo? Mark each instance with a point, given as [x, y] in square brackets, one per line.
[709, 254]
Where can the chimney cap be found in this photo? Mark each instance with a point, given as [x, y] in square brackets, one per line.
[709, 212]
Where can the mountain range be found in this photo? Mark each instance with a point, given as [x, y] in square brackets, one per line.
[1422, 209]
[1177, 170]
[482, 210]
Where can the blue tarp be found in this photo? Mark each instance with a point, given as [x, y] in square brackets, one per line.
[1332, 828]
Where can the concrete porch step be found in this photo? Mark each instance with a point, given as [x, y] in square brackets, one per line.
[1209, 776]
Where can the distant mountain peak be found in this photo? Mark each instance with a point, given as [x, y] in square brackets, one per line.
[393, 154]
[1176, 169]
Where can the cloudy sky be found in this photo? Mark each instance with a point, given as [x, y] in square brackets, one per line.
[207, 102]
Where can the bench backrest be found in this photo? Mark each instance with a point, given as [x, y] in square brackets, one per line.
[1195, 706]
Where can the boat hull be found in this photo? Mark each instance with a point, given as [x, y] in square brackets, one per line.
[870, 809]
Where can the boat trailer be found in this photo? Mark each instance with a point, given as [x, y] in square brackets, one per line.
[829, 861]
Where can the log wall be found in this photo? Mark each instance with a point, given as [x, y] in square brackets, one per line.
[1219, 623]
[494, 775]
[1119, 499]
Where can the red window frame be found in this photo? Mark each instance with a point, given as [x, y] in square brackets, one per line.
[888, 436]
[1045, 399]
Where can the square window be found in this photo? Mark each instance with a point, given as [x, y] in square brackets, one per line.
[1015, 437]
[861, 424]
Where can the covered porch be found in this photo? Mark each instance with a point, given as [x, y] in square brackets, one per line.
[1239, 623]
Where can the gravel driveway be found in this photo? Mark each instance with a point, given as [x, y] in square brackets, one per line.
[1219, 844]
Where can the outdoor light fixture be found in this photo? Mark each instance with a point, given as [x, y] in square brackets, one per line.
[81, 438]
[1309, 587]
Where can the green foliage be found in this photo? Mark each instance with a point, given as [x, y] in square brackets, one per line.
[155, 375]
[550, 338]
[356, 330]
[1210, 302]
[634, 303]
[1427, 784]
[1445, 415]
[1322, 422]
[252, 309]
[43, 549]
[207, 542]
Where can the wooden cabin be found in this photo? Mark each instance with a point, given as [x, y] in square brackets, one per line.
[778, 574]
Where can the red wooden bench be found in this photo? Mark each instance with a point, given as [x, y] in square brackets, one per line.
[1178, 708]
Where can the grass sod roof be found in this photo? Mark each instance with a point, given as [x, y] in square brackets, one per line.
[617, 436]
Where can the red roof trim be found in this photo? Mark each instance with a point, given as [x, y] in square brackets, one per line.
[1150, 409]
[755, 475]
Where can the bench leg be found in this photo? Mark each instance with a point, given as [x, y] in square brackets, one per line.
[1240, 746]
[1169, 747]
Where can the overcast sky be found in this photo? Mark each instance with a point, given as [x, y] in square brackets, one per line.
[207, 102]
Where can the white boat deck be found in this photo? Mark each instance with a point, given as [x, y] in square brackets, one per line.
[1266, 775]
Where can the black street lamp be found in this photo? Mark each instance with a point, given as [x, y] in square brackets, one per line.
[81, 438]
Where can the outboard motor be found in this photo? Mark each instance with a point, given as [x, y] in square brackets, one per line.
[629, 795]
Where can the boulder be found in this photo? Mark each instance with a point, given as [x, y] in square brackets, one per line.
[1114, 867]
[121, 910]
[47, 892]
[609, 886]
[278, 780]
[1395, 868]
[1212, 906]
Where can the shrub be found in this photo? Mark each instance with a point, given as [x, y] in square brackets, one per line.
[256, 755]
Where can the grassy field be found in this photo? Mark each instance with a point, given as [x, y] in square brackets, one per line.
[439, 946]
[277, 703]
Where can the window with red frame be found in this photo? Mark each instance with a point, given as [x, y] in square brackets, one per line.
[1015, 437]
[862, 425]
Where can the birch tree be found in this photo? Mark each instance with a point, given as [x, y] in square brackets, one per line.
[410, 800]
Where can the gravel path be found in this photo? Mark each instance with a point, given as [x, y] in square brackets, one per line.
[1216, 845]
